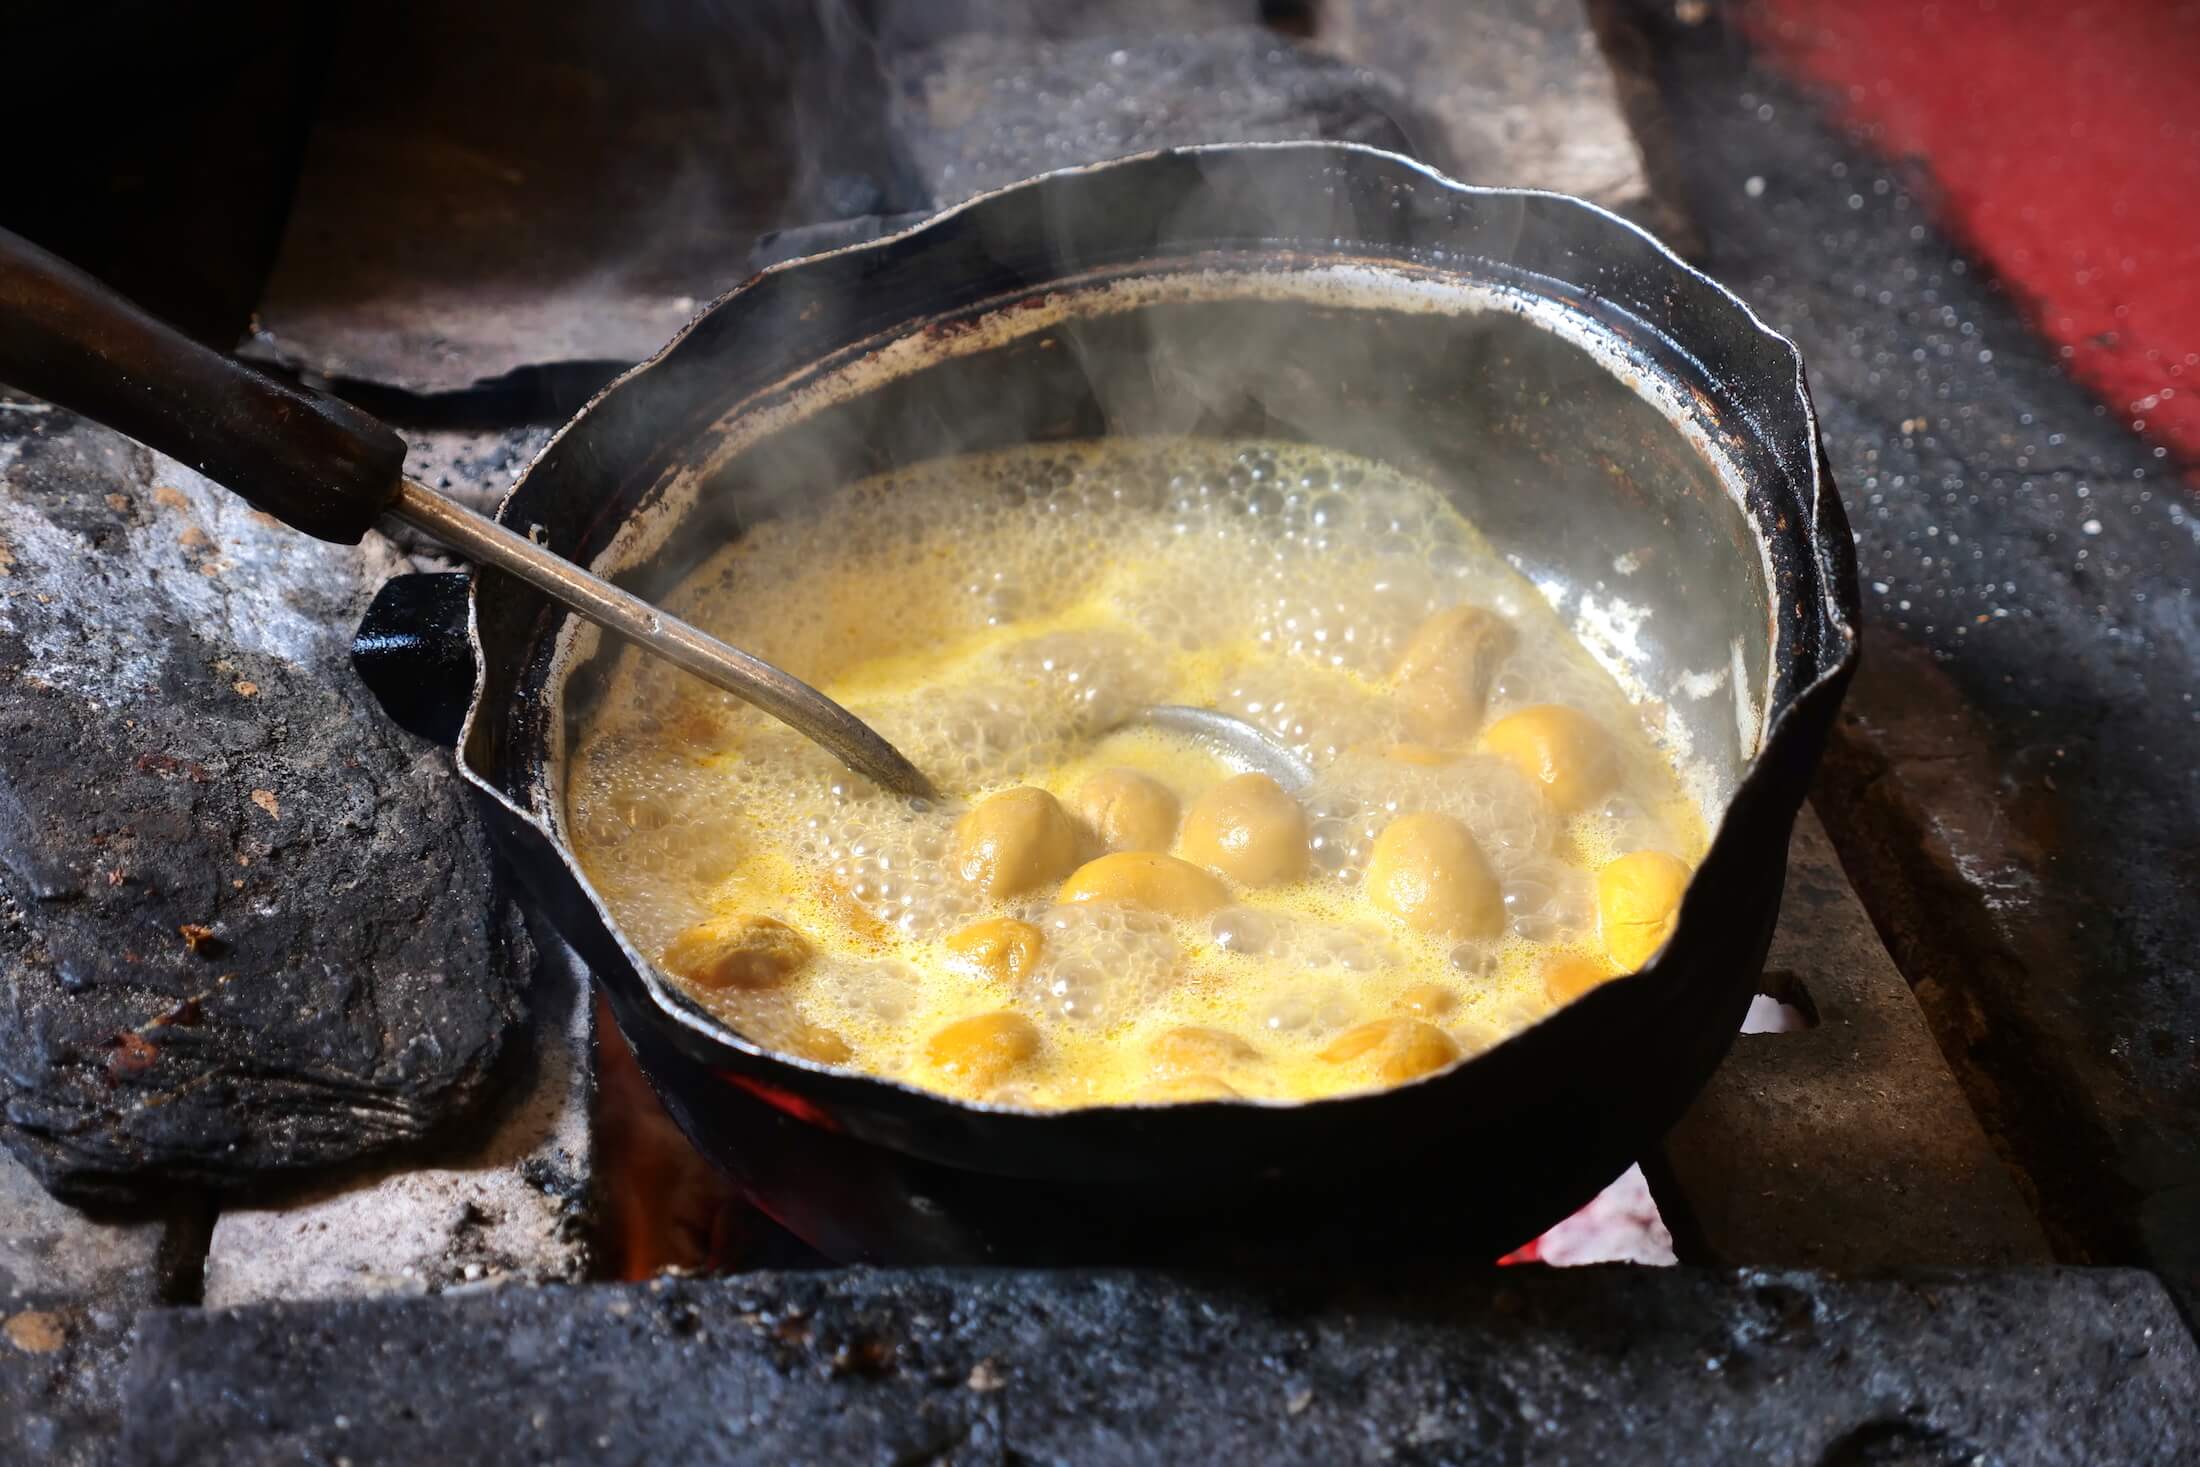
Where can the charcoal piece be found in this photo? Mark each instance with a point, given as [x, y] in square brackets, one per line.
[246, 923]
[505, 1200]
[981, 111]
[1600, 1365]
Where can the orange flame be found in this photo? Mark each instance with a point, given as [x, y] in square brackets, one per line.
[660, 1205]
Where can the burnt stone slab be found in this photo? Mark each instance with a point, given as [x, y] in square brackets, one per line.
[1598, 1365]
[1847, 1145]
[246, 924]
[1517, 91]
[62, 1366]
[2012, 786]
[983, 110]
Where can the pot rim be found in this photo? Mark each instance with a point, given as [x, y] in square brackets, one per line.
[1831, 549]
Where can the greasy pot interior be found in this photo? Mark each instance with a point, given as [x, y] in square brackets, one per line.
[1575, 452]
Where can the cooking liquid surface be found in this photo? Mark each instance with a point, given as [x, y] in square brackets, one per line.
[997, 618]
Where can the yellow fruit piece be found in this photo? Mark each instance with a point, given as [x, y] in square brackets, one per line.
[1194, 1048]
[1145, 879]
[1428, 1000]
[1427, 871]
[1566, 753]
[1442, 679]
[1250, 829]
[1014, 841]
[1188, 1087]
[1638, 901]
[744, 952]
[816, 1043]
[1567, 976]
[1002, 948]
[983, 1050]
[1397, 1049]
[1129, 811]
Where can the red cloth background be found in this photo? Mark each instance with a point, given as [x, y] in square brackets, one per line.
[2064, 141]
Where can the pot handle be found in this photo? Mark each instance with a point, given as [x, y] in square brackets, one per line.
[413, 653]
[315, 463]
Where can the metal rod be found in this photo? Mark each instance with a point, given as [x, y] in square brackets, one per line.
[751, 679]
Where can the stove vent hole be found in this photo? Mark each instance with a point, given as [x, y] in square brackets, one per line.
[1782, 1005]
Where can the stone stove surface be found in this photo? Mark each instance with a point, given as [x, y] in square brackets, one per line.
[1862, 1280]
[1681, 1365]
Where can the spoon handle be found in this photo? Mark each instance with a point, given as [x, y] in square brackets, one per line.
[751, 679]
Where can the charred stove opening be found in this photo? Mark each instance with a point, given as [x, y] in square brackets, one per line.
[1783, 1004]
[661, 1207]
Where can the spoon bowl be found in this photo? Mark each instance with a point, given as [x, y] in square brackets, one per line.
[1233, 736]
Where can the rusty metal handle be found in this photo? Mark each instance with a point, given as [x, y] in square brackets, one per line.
[317, 464]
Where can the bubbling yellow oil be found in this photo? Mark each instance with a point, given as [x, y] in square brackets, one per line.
[999, 618]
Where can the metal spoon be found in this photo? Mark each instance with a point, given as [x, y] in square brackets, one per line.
[793, 702]
[1250, 745]
[749, 678]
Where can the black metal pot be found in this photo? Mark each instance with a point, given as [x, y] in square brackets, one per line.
[1622, 427]
[1625, 430]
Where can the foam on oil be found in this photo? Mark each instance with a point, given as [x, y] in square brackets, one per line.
[997, 617]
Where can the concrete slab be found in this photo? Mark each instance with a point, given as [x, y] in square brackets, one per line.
[1518, 91]
[70, 1290]
[2014, 775]
[1601, 1365]
[980, 111]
